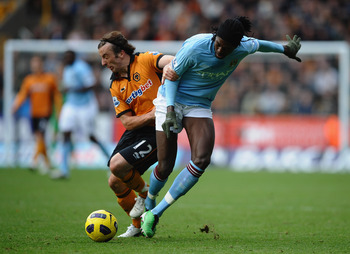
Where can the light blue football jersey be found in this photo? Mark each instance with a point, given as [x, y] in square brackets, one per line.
[202, 73]
[76, 76]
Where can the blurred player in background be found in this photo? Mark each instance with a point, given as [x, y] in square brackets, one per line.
[80, 107]
[42, 89]
[135, 81]
[203, 64]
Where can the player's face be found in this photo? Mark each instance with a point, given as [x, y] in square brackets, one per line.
[68, 58]
[110, 60]
[36, 65]
[222, 48]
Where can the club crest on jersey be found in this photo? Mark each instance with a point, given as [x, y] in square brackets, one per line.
[136, 76]
[115, 101]
[139, 92]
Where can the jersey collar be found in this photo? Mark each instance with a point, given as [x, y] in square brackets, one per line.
[116, 77]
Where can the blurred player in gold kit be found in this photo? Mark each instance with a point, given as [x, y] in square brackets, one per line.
[42, 89]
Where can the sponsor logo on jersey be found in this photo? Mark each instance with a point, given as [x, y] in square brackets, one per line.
[216, 75]
[115, 101]
[139, 92]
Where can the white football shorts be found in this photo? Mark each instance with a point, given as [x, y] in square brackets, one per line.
[181, 112]
[78, 118]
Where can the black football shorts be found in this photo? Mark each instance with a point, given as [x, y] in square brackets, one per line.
[39, 124]
[138, 147]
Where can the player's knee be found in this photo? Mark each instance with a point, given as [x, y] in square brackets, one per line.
[115, 167]
[202, 162]
[115, 184]
[164, 174]
[164, 169]
[111, 181]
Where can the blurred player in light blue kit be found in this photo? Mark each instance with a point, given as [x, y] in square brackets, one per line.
[194, 77]
[79, 109]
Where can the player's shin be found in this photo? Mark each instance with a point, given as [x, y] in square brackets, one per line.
[185, 180]
[156, 184]
[67, 149]
[126, 199]
[134, 181]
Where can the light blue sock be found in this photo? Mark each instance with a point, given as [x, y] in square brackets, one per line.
[66, 151]
[155, 185]
[187, 178]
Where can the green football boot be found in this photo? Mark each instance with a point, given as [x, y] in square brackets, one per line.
[148, 224]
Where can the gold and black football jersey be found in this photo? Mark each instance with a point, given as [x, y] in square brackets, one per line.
[42, 89]
[136, 93]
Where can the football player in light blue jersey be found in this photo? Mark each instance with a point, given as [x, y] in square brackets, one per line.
[79, 109]
[194, 77]
[78, 81]
[203, 71]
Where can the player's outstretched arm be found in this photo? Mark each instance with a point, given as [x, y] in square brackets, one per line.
[292, 48]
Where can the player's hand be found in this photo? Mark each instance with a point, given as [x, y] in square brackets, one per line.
[170, 121]
[292, 48]
[169, 73]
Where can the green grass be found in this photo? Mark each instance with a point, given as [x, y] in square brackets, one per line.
[244, 212]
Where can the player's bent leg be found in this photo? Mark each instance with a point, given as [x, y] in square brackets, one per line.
[156, 184]
[125, 196]
[166, 162]
[122, 169]
[119, 166]
[99, 144]
[187, 178]
[126, 199]
[201, 134]
[184, 181]
[150, 202]
[67, 148]
[166, 154]
[134, 181]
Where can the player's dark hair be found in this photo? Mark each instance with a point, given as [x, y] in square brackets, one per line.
[233, 30]
[119, 42]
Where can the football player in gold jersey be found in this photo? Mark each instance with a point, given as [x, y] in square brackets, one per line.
[135, 80]
[42, 89]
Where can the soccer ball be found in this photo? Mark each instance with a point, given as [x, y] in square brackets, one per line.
[101, 226]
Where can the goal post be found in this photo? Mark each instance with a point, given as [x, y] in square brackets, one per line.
[53, 46]
[338, 48]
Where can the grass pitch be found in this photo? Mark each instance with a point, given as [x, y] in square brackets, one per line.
[226, 212]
